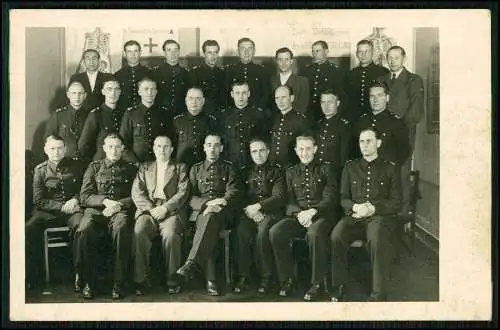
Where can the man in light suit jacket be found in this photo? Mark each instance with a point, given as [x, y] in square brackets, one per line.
[299, 84]
[160, 192]
[92, 79]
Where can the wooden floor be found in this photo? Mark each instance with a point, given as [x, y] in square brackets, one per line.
[413, 279]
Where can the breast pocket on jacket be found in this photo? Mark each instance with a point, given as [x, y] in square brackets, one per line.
[139, 129]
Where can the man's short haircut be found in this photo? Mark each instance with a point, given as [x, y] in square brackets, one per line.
[290, 89]
[74, 82]
[245, 39]
[213, 133]
[240, 83]
[115, 136]
[54, 137]
[168, 42]
[371, 129]
[196, 87]
[146, 79]
[364, 42]
[163, 136]
[330, 91]
[131, 43]
[209, 43]
[91, 50]
[284, 50]
[397, 47]
[379, 84]
[259, 139]
[320, 42]
[305, 136]
[108, 78]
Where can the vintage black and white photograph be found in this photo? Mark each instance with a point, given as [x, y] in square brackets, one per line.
[242, 156]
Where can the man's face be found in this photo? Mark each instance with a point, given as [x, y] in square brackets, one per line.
[194, 101]
[172, 53]
[111, 91]
[240, 95]
[284, 61]
[132, 55]
[162, 147]
[396, 60]
[147, 91]
[91, 60]
[76, 95]
[113, 148]
[283, 99]
[305, 150]
[378, 99]
[329, 104]
[319, 54]
[259, 152]
[364, 54]
[246, 51]
[55, 150]
[212, 147]
[368, 143]
[211, 55]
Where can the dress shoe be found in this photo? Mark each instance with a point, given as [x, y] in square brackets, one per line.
[264, 286]
[78, 284]
[376, 296]
[242, 285]
[212, 288]
[139, 289]
[87, 292]
[314, 292]
[187, 271]
[337, 294]
[174, 289]
[287, 287]
[116, 294]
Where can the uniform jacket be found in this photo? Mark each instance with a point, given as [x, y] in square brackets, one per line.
[94, 98]
[129, 77]
[333, 138]
[300, 87]
[257, 79]
[213, 83]
[172, 86]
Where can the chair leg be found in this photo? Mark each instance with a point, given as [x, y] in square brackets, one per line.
[226, 258]
[46, 256]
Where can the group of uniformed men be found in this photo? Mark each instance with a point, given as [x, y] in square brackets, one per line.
[173, 146]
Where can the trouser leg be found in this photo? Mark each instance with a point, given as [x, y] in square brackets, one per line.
[144, 232]
[317, 241]
[171, 230]
[281, 235]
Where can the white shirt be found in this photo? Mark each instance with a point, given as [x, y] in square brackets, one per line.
[284, 77]
[397, 73]
[92, 78]
[161, 168]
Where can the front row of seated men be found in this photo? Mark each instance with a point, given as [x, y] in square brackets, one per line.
[266, 205]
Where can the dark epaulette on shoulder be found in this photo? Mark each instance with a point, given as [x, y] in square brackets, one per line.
[394, 115]
[62, 108]
[199, 163]
[95, 109]
[228, 162]
[155, 67]
[195, 67]
[363, 115]
[42, 164]
[327, 162]
[344, 121]
[276, 164]
[164, 107]
[301, 114]
[390, 162]
[212, 117]
[347, 162]
[179, 116]
[259, 109]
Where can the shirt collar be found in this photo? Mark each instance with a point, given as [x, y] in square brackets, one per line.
[397, 72]
[285, 76]
[207, 164]
[308, 166]
[109, 163]
[94, 74]
[53, 166]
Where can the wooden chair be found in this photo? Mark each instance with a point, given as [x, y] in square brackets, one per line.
[54, 237]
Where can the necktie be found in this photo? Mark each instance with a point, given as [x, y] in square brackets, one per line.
[393, 76]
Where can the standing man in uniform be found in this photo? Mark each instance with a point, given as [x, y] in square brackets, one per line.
[254, 74]
[91, 79]
[406, 90]
[240, 123]
[312, 195]
[102, 121]
[143, 122]
[265, 199]
[130, 74]
[285, 76]
[322, 75]
[359, 79]
[105, 195]
[215, 197]
[160, 192]
[210, 78]
[286, 127]
[56, 187]
[371, 198]
[172, 79]
[192, 127]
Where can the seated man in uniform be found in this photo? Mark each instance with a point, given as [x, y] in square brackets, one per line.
[215, 194]
[160, 192]
[311, 212]
[264, 201]
[371, 198]
[56, 187]
[108, 206]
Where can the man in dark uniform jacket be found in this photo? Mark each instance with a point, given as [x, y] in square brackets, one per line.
[210, 78]
[371, 198]
[130, 74]
[285, 76]
[392, 130]
[333, 133]
[240, 123]
[192, 127]
[92, 79]
[265, 198]
[322, 75]
[312, 195]
[143, 122]
[287, 126]
[359, 79]
[56, 187]
[67, 121]
[105, 195]
[215, 197]
[160, 192]
[172, 79]
[254, 74]
[102, 121]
